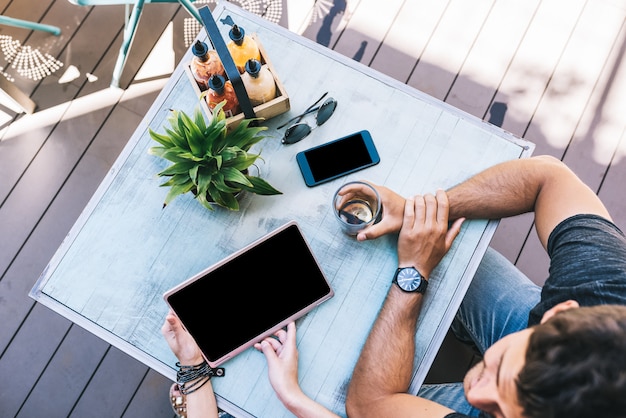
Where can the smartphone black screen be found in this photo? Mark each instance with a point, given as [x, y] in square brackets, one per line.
[337, 158]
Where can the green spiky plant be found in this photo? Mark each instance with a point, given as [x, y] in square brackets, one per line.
[208, 160]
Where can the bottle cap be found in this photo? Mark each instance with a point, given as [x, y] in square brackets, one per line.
[216, 83]
[200, 49]
[253, 67]
[237, 34]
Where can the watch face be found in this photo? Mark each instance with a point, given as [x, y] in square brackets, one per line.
[409, 279]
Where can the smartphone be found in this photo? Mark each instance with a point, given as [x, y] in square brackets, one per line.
[337, 158]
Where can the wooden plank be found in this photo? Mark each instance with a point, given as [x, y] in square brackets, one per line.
[325, 25]
[151, 398]
[568, 92]
[362, 36]
[3, 5]
[597, 137]
[120, 374]
[488, 60]
[30, 351]
[407, 38]
[535, 61]
[140, 95]
[449, 46]
[612, 191]
[522, 89]
[75, 359]
[562, 107]
[33, 256]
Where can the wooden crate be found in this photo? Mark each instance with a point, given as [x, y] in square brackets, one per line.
[275, 107]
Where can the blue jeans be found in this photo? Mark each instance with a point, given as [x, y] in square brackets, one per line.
[496, 304]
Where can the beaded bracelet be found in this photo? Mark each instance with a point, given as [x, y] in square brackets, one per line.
[197, 376]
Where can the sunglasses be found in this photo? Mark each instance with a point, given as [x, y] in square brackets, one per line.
[300, 130]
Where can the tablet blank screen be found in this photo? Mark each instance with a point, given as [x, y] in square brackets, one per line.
[230, 306]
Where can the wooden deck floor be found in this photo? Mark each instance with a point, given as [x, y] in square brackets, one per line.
[551, 71]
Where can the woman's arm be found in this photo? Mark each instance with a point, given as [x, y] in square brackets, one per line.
[200, 403]
[282, 360]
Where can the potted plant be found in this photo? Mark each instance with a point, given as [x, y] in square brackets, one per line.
[208, 160]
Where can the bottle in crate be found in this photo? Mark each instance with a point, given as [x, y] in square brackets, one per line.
[242, 47]
[204, 64]
[221, 89]
[259, 82]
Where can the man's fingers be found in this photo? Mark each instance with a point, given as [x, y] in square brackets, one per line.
[443, 207]
[453, 232]
[409, 213]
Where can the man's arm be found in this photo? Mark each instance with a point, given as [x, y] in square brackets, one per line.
[382, 374]
[541, 184]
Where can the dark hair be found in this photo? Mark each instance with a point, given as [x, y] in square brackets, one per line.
[576, 365]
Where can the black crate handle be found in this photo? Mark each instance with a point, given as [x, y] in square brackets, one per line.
[215, 37]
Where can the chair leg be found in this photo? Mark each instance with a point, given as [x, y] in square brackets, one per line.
[129, 34]
[19, 23]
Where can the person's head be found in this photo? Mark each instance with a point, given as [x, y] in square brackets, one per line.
[571, 365]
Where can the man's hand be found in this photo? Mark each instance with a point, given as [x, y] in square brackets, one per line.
[393, 210]
[425, 238]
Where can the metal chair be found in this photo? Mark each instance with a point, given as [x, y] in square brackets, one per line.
[130, 27]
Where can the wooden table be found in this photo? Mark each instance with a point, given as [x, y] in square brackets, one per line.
[125, 251]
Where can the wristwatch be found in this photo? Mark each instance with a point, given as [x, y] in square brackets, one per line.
[409, 279]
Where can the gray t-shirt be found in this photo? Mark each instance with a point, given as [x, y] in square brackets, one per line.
[587, 264]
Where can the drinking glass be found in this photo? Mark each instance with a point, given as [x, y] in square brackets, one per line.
[356, 206]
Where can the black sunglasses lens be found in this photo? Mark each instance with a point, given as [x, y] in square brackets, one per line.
[296, 133]
[325, 111]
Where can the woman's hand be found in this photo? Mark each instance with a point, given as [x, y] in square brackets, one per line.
[282, 361]
[181, 343]
[281, 354]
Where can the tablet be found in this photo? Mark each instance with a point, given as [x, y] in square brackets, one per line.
[250, 294]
